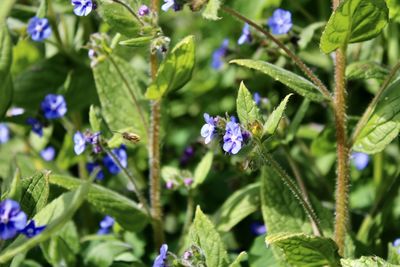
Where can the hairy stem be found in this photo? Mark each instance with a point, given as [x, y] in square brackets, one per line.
[371, 107]
[342, 150]
[307, 71]
[154, 153]
[294, 189]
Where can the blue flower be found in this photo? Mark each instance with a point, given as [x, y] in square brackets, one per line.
[258, 228]
[39, 29]
[219, 54]
[37, 126]
[15, 111]
[246, 35]
[161, 259]
[54, 106]
[257, 98]
[360, 160]
[233, 138]
[396, 244]
[48, 153]
[144, 10]
[208, 129]
[171, 3]
[280, 22]
[12, 219]
[106, 225]
[90, 166]
[31, 230]
[82, 7]
[79, 143]
[4, 133]
[121, 155]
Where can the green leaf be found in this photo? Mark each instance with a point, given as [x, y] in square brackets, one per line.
[175, 71]
[363, 70]
[237, 207]
[273, 120]
[393, 255]
[306, 250]
[35, 192]
[42, 10]
[299, 84]
[203, 234]
[394, 9]
[241, 257]
[120, 96]
[308, 33]
[366, 262]
[103, 254]
[125, 211]
[6, 91]
[354, 21]
[202, 169]
[384, 124]
[5, 7]
[211, 10]
[137, 41]
[11, 187]
[247, 109]
[94, 118]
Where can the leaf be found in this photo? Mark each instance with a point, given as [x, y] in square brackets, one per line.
[211, 10]
[11, 187]
[363, 70]
[5, 66]
[42, 10]
[241, 257]
[35, 192]
[306, 250]
[5, 7]
[247, 109]
[384, 124]
[104, 253]
[120, 96]
[273, 120]
[366, 262]
[125, 211]
[393, 254]
[237, 207]
[94, 118]
[354, 21]
[202, 169]
[394, 9]
[203, 234]
[175, 71]
[308, 33]
[137, 41]
[299, 84]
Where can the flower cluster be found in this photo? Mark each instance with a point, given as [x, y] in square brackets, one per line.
[106, 225]
[39, 29]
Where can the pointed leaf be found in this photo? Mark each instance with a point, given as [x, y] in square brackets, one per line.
[273, 120]
[299, 84]
[35, 192]
[354, 21]
[202, 169]
[247, 109]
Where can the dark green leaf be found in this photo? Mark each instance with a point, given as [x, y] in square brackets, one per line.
[5, 65]
[35, 192]
[299, 84]
[354, 21]
[125, 211]
[175, 71]
[306, 250]
[247, 109]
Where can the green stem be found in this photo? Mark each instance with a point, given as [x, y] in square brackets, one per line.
[136, 189]
[371, 107]
[342, 150]
[307, 71]
[188, 218]
[294, 189]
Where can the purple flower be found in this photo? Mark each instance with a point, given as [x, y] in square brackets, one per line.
[106, 225]
[15, 111]
[82, 7]
[39, 29]
[188, 181]
[188, 153]
[37, 126]
[280, 22]
[161, 259]
[121, 155]
[12, 219]
[79, 143]
[360, 160]
[48, 153]
[144, 10]
[54, 106]
[396, 244]
[169, 184]
[258, 228]
[4, 133]
[208, 129]
[90, 166]
[233, 138]
[219, 54]
[171, 3]
[31, 230]
[246, 35]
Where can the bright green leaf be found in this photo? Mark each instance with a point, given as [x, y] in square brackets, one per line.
[202, 169]
[374, 261]
[306, 250]
[211, 10]
[299, 84]
[273, 120]
[137, 41]
[354, 21]
[237, 207]
[35, 192]
[175, 71]
[247, 109]
[125, 211]
[203, 234]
